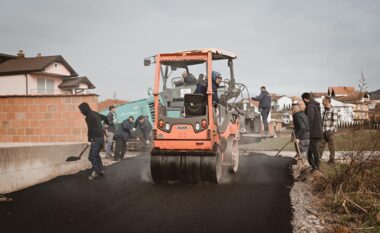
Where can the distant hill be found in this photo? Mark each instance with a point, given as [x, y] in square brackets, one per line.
[375, 95]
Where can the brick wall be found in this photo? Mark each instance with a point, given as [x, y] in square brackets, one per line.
[54, 118]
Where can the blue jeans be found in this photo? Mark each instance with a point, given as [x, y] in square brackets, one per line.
[109, 141]
[94, 157]
[264, 115]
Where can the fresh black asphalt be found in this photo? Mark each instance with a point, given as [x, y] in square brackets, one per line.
[256, 199]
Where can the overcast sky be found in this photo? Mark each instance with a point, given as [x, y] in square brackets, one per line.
[288, 46]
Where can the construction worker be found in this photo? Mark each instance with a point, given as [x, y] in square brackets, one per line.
[188, 78]
[329, 128]
[202, 87]
[122, 135]
[264, 106]
[313, 112]
[95, 135]
[110, 130]
[301, 130]
[144, 128]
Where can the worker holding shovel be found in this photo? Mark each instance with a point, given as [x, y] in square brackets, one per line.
[301, 133]
[95, 137]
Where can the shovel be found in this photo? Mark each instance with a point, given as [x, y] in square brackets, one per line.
[293, 137]
[75, 158]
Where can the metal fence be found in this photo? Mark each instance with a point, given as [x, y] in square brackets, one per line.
[360, 125]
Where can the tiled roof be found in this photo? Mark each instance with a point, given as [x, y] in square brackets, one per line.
[5, 57]
[318, 94]
[75, 82]
[33, 64]
[341, 90]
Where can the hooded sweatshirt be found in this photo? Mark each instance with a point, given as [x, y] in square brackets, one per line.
[202, 87]
[94, 122]
[313, 112]
[264, 100]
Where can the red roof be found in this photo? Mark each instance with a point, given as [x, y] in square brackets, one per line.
[104, 105]
[332, 91]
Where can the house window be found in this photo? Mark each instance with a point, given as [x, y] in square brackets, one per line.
[45, 86]
[55, 65]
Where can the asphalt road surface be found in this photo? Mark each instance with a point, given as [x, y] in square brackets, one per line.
[126, 200]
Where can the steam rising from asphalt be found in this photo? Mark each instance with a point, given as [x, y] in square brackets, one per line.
[145, 174]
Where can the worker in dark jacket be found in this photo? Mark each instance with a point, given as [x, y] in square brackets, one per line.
[143, 128]
[313, 112]
[95, 137]
[301, 129]
[264, 106]
[188, 78]
[122, 134]
[202, 87]
[110, 130]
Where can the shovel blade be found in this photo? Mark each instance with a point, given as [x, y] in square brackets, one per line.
[72, 158]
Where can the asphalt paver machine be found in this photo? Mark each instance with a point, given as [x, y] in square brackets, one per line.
[194, 139]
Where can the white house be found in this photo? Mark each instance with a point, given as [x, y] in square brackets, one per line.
[280, 103]
[284, 103]
[40, 75]
[345, 110]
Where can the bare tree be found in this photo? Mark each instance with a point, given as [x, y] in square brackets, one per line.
[362, 84]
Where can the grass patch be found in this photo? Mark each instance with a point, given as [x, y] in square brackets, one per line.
[350, 191]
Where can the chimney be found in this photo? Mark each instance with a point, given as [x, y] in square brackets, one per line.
[21, 54]
[39, 55]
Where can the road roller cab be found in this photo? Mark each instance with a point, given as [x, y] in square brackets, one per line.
[194, 138]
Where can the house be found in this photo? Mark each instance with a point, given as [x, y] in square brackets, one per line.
[346, 111]
[280, 103]
[284, 103]
[40, 75]
[355, 97]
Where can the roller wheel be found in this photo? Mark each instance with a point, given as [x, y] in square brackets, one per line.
[172, 170]
[211, 167]
[188, 168]
[235, 156]
[231, 154]
[157, 169]
[192, 169]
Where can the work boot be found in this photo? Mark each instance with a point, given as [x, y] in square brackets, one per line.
[93, 176]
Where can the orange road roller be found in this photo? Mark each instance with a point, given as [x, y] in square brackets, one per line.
[196, 135]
